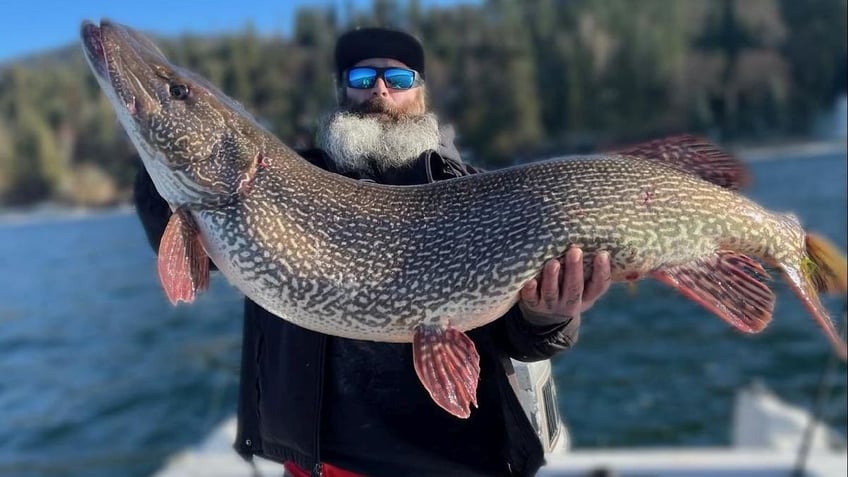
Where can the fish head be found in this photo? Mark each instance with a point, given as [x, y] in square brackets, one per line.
[197, 144]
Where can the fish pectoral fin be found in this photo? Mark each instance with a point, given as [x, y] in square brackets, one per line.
[448, 365]
[182, 263]
[729, 284]
[696, 156]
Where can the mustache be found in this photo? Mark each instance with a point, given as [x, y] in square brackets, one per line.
[377, 106]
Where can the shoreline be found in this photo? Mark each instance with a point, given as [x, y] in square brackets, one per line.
[792, 150]
[747, 153]
[51, 212]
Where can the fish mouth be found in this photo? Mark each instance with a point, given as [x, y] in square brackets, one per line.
[117, 60]
[92, 40]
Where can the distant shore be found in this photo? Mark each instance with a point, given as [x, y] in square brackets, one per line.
[772, 152]
[50, 212]
[747, 153]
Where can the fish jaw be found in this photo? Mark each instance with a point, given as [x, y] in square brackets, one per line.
[132, 95]
[195, 152]
[94, 52]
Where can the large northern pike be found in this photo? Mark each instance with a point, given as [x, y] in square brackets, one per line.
[423, 264]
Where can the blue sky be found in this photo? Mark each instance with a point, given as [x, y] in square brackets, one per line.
[29, 26]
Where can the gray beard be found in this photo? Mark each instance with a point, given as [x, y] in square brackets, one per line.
[373, 143]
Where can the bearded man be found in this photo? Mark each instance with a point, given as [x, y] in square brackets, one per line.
[324, 405]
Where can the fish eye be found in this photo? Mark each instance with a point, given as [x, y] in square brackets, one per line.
[178, 91]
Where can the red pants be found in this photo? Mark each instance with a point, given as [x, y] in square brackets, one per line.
[327, 470]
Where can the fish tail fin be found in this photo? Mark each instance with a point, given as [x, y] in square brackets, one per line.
[827, 268]
[822, 269]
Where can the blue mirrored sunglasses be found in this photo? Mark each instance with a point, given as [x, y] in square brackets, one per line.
[365, 77]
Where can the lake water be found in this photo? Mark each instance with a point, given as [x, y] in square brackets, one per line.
[101, 376]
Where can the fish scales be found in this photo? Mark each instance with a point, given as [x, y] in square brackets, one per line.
[379, 260]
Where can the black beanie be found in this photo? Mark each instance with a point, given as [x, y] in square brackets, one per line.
[362, 43]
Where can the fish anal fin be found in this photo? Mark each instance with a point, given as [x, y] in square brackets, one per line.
[695, 155]
[182, 262]
[448, 365]
[729, 284]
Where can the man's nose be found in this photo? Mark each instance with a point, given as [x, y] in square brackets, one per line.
[380, 88]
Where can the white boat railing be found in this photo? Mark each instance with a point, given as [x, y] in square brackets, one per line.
[767, 435]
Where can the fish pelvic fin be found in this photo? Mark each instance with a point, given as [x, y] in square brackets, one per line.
[822, 269]
[448, 365]
[182, 263]
[729, 284]
[695, 155]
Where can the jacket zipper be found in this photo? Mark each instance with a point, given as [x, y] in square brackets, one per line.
[317, 470]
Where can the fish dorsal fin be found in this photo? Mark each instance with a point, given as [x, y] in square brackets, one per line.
[697, 156]
[729, 284]
[182, 263]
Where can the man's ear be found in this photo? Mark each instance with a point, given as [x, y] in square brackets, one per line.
[340, 91]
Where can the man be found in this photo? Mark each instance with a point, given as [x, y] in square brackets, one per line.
[337, 407]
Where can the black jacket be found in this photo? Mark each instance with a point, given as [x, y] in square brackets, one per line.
[308, 397]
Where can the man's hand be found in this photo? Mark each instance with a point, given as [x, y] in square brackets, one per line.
[559, 293]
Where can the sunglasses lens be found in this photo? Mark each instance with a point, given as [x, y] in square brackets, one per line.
[366, 77]
[397, 78]
[361, 78]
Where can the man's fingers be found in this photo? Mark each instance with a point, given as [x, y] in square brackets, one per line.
[530, 293]
[550, 282]
[599, 282]
[572, 282]
[561, 291]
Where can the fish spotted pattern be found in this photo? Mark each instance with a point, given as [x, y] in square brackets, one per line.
[422, 264]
